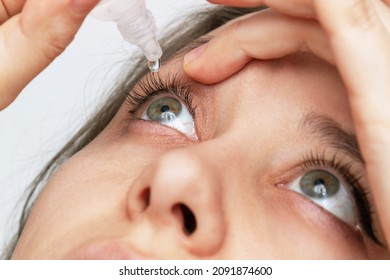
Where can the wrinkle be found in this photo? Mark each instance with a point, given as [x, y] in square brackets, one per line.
[7, 13]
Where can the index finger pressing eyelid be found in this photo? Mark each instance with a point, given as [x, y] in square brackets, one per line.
[264, 35]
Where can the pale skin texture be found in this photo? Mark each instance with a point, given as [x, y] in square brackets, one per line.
[234, 180]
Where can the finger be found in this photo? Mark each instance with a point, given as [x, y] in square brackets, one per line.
[231, 51]
[9, 8]
[264, 35]
[238, 3]
[299, 8]
[382, 8]
[361, 46]
[31, 40]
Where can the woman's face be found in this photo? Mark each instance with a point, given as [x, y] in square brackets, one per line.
[261, 165]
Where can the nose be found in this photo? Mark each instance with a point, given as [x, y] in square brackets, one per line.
[180, 196]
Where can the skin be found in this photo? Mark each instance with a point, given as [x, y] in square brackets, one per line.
[235, 179]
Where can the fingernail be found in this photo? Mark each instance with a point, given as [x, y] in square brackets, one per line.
[194, 54]
[83, 6]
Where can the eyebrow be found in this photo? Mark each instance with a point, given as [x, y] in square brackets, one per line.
[332, 134]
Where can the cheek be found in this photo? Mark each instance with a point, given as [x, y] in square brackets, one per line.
[87, 192]
[303, 230]
[279, 224]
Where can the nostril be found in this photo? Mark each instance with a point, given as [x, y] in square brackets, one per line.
[145, 198]
[189, 220]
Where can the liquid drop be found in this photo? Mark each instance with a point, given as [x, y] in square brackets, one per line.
[154, 66]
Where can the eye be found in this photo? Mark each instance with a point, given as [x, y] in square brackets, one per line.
[171, 112]
[326, 190]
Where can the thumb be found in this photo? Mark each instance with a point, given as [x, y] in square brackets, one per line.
[31, 40]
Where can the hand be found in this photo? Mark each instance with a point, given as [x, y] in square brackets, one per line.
[32, 34]
[354, 35]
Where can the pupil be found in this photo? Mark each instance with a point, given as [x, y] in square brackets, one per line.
[319, 182]
[164, 108]
[319, 187]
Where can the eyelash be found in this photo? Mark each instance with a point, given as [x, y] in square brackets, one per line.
[344, 169]
[153, 84]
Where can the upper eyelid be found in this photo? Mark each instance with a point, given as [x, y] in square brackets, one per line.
[154, 84]
[318, 159]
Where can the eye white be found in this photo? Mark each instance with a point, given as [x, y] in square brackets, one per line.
[171, 112]
[339, 203]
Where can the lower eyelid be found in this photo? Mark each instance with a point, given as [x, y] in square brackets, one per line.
[156, 131]
[315, 215]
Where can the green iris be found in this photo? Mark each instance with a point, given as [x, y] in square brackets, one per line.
[164, 109]
[319, 184]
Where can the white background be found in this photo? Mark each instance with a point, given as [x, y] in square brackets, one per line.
[58, 101]
[281, 270]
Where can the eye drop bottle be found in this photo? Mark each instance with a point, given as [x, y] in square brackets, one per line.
[136, 25]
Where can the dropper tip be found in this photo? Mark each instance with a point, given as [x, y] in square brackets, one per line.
[154, 65]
